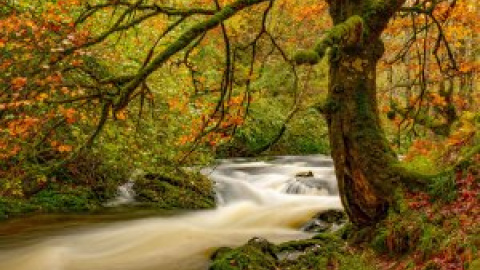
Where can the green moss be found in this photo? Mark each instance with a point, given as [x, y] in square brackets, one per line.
[443, 187]
[13, 207]
[399, 204]
[363, 104]
[409, 232]
[431, 239]
[398, 234]
[331, 106]
[81, 185]
[307, 57]
[421, 164]
[346, 231]
[66, 200]
[257, 254]
[474, 265]
[175, 190]
[298, 245]
[51, 200]
[344, 35]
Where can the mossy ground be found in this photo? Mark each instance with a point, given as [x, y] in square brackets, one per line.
[435, 230]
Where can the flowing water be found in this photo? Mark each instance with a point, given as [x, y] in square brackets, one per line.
[255, 199]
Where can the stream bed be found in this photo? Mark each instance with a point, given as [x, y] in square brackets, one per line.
[255, 199]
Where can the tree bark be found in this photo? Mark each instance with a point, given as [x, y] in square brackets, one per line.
[365, 165]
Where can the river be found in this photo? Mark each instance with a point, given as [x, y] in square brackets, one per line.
[254, 199]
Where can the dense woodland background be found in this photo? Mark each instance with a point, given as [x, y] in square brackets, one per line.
[86, 98]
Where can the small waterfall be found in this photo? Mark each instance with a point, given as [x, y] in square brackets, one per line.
[300, 188]
[125, 192]
[309, 186]
[230, 190]
[125, 195]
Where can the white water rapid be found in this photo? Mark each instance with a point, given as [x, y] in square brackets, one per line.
[253, 201]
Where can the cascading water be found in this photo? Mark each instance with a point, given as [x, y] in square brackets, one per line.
[125, 195]
[125, 192]
[253, 201]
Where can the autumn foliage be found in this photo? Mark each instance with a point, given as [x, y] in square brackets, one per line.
[61, 74]
[39, 82]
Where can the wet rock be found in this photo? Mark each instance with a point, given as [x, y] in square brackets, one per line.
[290, 255]
[328, 221]
[219, 252]
[297, 245]
[263, 245]
[333, 216]
[307, 183]
[309, 186]
[316, 226]
[304, 174]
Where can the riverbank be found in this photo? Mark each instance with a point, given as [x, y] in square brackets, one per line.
[177, 189]
[434, 230]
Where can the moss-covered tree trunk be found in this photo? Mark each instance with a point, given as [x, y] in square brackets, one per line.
[364, 162]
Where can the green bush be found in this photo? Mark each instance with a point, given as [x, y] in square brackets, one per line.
[68, 200]
[12, 207]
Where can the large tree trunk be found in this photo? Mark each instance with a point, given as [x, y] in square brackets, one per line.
[364, 162]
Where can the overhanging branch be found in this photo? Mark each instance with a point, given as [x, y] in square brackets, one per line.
[183, 41]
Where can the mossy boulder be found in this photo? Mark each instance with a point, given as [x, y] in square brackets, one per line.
[304, 174]
[324, 251]
[175, 190]
[327, 221]
[257, 254]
